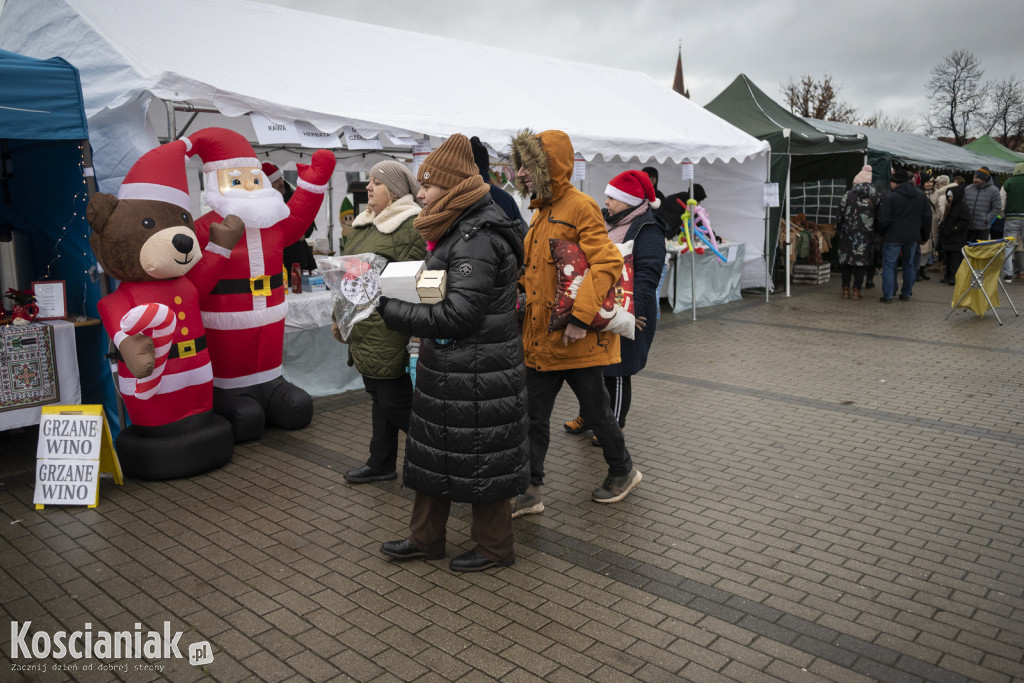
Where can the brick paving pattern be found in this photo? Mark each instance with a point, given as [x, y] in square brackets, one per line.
[832, 492]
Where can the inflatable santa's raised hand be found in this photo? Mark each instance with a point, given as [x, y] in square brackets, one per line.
[244, 313]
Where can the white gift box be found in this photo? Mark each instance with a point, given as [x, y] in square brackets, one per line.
[398, 281]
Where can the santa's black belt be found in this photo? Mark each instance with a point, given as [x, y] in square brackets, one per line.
[257, 286]
[182, 349]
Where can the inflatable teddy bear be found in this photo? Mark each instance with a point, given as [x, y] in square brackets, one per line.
[145, 237]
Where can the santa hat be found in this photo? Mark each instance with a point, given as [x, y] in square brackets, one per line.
[220, 148]
[159, 175]
[632, 187]
[272, 172]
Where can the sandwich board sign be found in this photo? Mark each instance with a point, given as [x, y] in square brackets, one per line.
[74, 448]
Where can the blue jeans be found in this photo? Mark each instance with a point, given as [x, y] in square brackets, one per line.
[890, 252]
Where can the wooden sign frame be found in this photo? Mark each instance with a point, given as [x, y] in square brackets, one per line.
[52, 305]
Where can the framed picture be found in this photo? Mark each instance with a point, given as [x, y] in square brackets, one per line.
[51, 299]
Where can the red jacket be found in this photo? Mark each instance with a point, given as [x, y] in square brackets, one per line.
[245, 330]
[186, 387]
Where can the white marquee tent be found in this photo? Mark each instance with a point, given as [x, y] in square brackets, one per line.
[145, 65]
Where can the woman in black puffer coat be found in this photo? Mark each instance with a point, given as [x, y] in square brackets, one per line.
[467, 436]
[953, 230]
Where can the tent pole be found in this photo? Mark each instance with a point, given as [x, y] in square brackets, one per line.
[789, 232]
[693, 264]
[330, 213]
[767, 233]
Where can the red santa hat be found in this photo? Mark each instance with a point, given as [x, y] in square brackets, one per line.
[159, 174]
[632, 187]
[272, 172]
[220, 148]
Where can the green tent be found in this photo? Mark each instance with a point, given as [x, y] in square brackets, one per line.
[800, 152]
[986, 145]
[887, 148]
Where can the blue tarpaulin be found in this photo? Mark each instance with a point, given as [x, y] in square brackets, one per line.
[44, 138]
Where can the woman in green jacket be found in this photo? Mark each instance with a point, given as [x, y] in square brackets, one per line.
[380, 355]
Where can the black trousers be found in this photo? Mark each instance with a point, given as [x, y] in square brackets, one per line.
[858, 275]
[491, 529]
[588, 385]
[620, 395]
[389, 414]
[953, 261]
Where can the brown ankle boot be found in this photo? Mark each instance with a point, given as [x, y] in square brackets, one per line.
[856, 294]
[846, 292]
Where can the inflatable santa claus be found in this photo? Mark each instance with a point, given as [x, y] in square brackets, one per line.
[244, 313]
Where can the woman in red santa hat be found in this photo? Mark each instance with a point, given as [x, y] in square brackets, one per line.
[629, 215]
[244, 314]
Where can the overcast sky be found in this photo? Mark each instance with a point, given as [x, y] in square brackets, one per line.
[879, 52]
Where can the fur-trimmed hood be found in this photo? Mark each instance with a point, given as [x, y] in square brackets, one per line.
[549, 157]
[393, 215]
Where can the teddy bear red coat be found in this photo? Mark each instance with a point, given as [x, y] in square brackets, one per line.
[186, 385]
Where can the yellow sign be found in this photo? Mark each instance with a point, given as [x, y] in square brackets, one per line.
[74, 447]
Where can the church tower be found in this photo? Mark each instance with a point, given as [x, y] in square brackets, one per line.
[677, 82]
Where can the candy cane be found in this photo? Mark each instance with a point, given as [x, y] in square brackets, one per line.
[156, 321]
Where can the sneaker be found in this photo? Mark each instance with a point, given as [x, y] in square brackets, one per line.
[904, 297]
[885, 300]
[576, 426]
[1007, 278]
[528, 503]
[615, 489]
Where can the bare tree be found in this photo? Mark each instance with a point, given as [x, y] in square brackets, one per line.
[885, 121]
[957, 96]
[817, 99]
[1005, 118]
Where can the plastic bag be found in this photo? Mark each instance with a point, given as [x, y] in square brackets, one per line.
[354, 280]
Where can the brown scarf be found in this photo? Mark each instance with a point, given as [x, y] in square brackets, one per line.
[436, 218]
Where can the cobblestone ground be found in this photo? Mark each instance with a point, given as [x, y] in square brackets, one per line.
[832, 492]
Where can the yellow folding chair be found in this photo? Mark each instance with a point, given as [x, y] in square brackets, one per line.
[977, 279]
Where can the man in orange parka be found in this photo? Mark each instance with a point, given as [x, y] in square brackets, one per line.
[577, 355]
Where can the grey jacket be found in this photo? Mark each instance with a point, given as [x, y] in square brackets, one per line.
[983, 203]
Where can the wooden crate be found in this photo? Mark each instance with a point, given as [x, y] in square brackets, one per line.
[812, 273]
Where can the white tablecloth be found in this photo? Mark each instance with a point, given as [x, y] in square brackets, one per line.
[716, 282]
[313, 358]
[67, 376]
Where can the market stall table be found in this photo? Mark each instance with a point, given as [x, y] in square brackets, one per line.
[716, 282]
[313, 358]
[38, 366]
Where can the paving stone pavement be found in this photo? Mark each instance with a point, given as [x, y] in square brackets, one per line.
[832, 492]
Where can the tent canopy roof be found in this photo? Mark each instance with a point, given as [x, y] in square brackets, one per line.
[333, 72]
[918, 151]
[40, 99]
[986, 145]
[747, 107]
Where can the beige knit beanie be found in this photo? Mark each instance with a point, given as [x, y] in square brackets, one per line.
[396, 177]
[449, 164]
